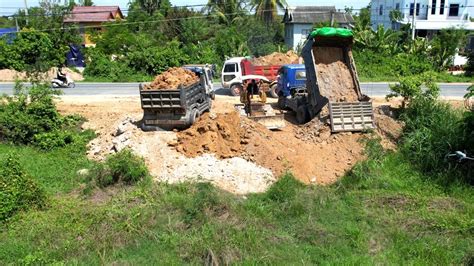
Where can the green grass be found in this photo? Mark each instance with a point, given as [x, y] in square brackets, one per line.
[440, 78]
[383, 212]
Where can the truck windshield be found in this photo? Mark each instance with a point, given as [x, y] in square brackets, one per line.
[300, 74]
[229, 68]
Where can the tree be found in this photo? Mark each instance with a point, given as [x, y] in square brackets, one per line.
[227, 12]
[86, 2]
[149, 6]
[267, 9]
[444, 46]
[410, 88]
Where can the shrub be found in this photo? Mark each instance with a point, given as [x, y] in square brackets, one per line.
[124, 167]
[410, 88]
[21, 119]
[432, 130]
[18, 191]
[54, 139]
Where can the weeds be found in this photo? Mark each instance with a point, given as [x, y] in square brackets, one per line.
[18, 191]
[122, 167]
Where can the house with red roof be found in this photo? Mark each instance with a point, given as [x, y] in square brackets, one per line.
[92, 18]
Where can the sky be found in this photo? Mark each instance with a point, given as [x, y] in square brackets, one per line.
[7, 5]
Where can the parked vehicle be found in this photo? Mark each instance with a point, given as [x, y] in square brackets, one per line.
[239, 69]
[292, 79]
[178, 108]
[63, 82]
[334, 46]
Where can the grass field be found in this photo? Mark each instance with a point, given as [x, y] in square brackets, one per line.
[383, 212]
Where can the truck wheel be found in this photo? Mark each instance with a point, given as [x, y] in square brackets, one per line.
[282, 102]
[193, 117]
[302, 115]
[274, 91]
[235, 89]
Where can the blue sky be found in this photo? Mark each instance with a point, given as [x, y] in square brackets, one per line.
[6, 4]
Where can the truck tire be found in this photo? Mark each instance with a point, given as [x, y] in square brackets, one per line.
[302, 114]
[282, 103]
[273, 91]
[193, 116]
[236, 89]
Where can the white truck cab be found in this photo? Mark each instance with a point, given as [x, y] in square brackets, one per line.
[231, 75]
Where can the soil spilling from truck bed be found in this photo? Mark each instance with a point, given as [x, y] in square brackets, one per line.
[172, 78]
[276, 58]
[334, 77]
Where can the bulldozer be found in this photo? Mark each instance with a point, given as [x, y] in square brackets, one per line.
[255, 107]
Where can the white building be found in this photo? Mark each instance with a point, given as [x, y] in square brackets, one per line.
[431, 15]
[300, 21]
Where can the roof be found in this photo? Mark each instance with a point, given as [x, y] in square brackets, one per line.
[93, 14]
[315, 14]
[294, 66]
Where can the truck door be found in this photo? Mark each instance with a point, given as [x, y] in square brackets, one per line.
[229, 72]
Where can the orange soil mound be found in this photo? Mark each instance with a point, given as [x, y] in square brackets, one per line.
[172, 78]
[219, 134]
[276, 58]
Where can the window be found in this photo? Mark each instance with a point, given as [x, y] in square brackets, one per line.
[453, 10]
[300, 74]
[305, 32]
[441, 7]
[433, 7]
[230, 68]
[417, 9]
[397, 6]
[381, 10]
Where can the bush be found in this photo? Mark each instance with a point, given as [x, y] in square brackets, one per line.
[54, 139]
[124, 167]
[18, 191]
[410, 88]
[434, 129]
[21, 119]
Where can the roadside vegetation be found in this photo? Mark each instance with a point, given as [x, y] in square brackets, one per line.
[410, 206]
[156, 37]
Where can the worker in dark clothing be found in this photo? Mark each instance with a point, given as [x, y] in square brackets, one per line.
[252, 89]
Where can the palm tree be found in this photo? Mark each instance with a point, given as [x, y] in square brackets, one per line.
[228, 11]
[267, 9]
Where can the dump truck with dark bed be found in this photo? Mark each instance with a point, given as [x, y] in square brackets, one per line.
[177, 108]
[332, 82]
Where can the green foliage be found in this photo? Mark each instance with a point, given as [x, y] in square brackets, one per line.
[410, 88]
[469, 67]
[22, 118]
[444, 46]
[122, 167]
[54, 139]
[285, 189]
[434, 129]
[18, 191]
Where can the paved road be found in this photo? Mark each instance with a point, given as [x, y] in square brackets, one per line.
[378, 89]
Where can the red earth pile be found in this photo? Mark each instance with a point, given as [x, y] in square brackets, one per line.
[172, 78]
[276, 58]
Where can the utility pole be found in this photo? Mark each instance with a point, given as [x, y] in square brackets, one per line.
[26, 11]
[332, 18]
[16, 24]
[413, 28]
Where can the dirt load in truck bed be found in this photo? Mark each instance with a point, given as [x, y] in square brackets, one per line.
[171, 79]
[334, 77]
[276, 58]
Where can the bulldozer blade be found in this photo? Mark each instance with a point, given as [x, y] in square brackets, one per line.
[271, 122]
[264, 115]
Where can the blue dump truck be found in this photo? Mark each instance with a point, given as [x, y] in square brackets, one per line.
[328, 85]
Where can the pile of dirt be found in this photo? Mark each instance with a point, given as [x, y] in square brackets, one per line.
[334, 77]
[229, 135]
[172, 78]
[218, 134]
[276, 58]
[313, 131]
[12, 75]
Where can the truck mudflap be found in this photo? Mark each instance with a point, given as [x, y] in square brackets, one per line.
[351, 116]
[263, 114]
